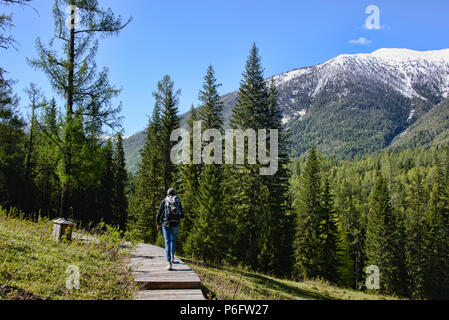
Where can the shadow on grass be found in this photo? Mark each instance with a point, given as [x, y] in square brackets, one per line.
[263, 284]
[282, 287]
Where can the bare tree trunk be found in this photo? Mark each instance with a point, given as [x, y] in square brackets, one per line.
[65, 190]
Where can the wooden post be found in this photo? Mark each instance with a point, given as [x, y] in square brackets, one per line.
[62, 227]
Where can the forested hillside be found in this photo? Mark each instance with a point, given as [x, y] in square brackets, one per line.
[430, 129]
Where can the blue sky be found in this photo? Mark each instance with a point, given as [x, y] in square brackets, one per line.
[181, 38]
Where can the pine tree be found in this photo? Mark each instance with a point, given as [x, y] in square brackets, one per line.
[47, 157]
[106, 188]
[416, 233]
[437, 274]
[168, 100]
[208, 236]
[330, 235]
[189, 175]
[276, 241]
[308, 207]
[148, 184]
[12, 153]
[120, 201]
[383, 239]
[249, 202]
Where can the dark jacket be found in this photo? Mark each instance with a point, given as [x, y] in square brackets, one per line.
[160, 219]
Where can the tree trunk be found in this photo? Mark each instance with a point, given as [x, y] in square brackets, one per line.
[65, 190]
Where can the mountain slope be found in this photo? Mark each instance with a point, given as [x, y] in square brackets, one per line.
[357, 104]
[430, 129]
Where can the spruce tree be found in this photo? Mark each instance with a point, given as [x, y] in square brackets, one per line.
[383, 239]
[148, 183]
[188, 190]
[47, 158]
[156, 172]
[437, 273]
[249, 200]
[12, 153]
[167, 97]
[207, 239]
[120, 201]
[106, 188]
[330, 236]
[278, 235]
[308, 207]
[416, 236]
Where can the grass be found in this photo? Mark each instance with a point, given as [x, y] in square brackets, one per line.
[228, 283]
[33, 265]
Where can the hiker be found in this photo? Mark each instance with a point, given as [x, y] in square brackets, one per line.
[168, 219]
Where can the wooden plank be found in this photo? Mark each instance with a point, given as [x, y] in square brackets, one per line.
[149, 285]
[148, 265]
[167, 294]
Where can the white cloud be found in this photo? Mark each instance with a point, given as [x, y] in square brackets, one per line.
[360, 40]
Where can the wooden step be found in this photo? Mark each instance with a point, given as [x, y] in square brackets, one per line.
[148, 265]
[179, 294]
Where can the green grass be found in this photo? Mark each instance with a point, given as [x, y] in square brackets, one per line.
[33, 263]
[228, 283]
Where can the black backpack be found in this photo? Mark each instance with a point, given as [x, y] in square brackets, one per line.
[172, 210]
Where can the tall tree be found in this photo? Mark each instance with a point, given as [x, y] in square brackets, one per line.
[148, 184]
[249, 200]
[189, 175]
[208, 236]
[308, 208]
[167, 97]
[120, 201]
[74, 76]
[416, 233]
[12, 153]
[47, 158]
[329, 235]
[35, 96]
[105, 194]
[437, 274]
[383, 239]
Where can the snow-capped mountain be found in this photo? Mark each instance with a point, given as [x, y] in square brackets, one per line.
[413, 74]
[355, 104]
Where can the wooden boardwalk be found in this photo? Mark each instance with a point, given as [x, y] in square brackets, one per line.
[155, 282]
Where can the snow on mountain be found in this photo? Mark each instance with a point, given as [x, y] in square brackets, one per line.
[414, 74]
[399, 67]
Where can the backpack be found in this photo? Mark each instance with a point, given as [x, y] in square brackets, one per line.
[172, 211]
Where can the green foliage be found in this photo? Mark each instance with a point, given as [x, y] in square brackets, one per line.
[255, 203]
[88, 93]
[156, 173]
[382, 239]
[120, 201]
[31, 260]
[12, 153]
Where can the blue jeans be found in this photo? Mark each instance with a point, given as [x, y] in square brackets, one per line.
[170, 234]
